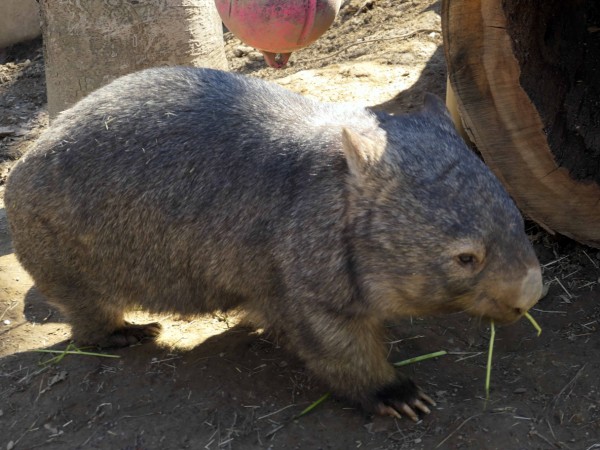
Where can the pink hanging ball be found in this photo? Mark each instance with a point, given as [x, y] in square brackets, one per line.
[278, 26]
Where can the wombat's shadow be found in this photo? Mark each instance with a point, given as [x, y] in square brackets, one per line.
[240, 346]
[237, 340]
[238, 360]
[208, 384]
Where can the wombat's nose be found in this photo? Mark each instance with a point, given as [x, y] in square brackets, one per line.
[531, 290]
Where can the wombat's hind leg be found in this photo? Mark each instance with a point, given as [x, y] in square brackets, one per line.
[402, 396]
[131, 334]
[100, 321]
[112, 332]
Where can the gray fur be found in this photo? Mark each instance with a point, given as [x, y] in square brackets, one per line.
[192, 190]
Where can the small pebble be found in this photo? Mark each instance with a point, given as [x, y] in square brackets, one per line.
[6, 322]
[241, 50]
[519, 391]
[255, 56]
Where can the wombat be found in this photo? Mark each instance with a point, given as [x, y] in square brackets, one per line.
[193, 190]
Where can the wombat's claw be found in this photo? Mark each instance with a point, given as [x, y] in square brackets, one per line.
[385, 410]
[396, 409]
[132, 334]
[403, 397]
[422, 407]
[427, 398]
[408, 411]
[403, 408]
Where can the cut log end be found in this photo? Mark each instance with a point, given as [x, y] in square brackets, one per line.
[526, 77]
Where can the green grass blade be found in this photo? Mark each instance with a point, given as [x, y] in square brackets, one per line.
[60, 354]
[313, 405]
[534, 323]
[406, 362]
[76, 352]
[488, 373]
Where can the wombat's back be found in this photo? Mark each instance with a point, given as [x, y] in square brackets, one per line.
[173, 187]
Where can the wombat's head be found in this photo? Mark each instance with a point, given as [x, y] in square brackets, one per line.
[434, 230]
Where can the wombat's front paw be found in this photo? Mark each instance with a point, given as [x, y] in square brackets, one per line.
[402, 397]
[132, 334]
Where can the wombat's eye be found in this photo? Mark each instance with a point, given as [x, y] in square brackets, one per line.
[467, 259]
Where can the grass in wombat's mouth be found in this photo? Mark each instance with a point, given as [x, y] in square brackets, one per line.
[534, 323]
[488, 373]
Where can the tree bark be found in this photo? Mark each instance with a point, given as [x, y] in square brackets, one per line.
[89, 43]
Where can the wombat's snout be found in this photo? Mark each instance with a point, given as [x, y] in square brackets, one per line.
[531, 290]
[523, 297]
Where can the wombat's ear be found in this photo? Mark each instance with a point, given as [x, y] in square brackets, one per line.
[434, 105]
[361, 151]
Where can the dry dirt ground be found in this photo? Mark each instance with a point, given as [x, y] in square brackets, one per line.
[209, 383]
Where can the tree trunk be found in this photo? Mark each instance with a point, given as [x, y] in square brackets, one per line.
[89, 43]
[526, 77]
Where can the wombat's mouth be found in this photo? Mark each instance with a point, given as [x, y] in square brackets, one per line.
[512, 299]
[495, 309]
